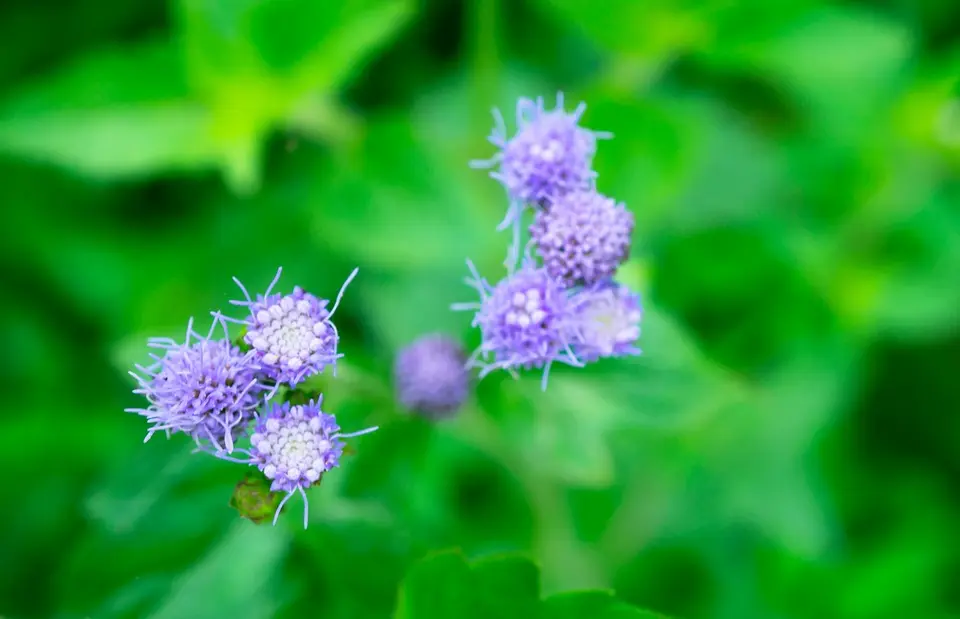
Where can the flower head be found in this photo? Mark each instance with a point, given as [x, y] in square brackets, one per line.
[294, 446]
[526, 321]
[430, 376]
[204, 387]
[608, 319]
[292, 335]
[550, 155]
[583, 238]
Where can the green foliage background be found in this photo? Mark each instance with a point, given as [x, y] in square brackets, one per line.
[787, 447]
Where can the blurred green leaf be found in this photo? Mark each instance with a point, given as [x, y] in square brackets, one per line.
[387, 298]
[301, 46]
[438, 587]
[444, 585]
[99, 117]
[647, 30]
[259, 64]
[818, 57]
[507, 587]
[565, 439]
[400, 193]
[234, 580]
[593, 604]
[917, 294]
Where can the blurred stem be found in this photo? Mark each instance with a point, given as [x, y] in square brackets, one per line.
[323, 118]
[566, 563]
[481, 33]
[626, 76]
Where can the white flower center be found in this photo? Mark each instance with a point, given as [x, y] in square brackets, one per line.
[608, 324]
[549, 152]
[288, 334]
[525, 309]
[292, 450]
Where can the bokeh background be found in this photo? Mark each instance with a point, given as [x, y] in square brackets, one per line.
[787, 447]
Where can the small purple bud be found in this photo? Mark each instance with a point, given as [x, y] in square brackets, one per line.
[583, 238]
[430, 376]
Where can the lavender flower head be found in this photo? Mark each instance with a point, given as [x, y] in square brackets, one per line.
[526, 321]
[294, 446]
[206, 388]
[550, 155]
[608, 318]
[583, 238]
[292, 335]
[430, 376]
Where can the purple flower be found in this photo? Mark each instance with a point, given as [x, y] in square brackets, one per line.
[550, 155]
[293, 335]
[526, 321]
[583, 237]
[608, 319]
[206, 388]
[294, 446]
[430, 376]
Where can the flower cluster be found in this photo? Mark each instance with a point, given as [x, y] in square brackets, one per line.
[558, 301]
[217, 392]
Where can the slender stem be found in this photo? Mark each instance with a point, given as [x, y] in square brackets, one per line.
[566, 563]
[481, 31]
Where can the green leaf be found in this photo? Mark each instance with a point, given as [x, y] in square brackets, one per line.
[592, 604]
[233, 580]
[260, 64]
[567, 438]
[401, 192]
[819, 56]
[301, 46]
[387, 300]
[507, 587]
[115, 113]
[439, 587]
[640, 29]
[918, 295]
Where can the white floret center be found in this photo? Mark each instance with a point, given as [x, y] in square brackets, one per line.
[551, 151]
[295, 450]
[525, 309]
[288, 333]
[610, 324]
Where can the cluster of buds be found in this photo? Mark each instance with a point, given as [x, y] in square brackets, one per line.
[558, 301]
[220, 392]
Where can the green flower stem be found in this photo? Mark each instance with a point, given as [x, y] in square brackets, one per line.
[567, 563]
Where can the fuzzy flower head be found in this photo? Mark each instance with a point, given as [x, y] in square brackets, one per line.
[204, 387]
[526, 321]
[430, 376]
[583, 238]
[549, 156]
[293, 335]
[294, 446]
[608, 319]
